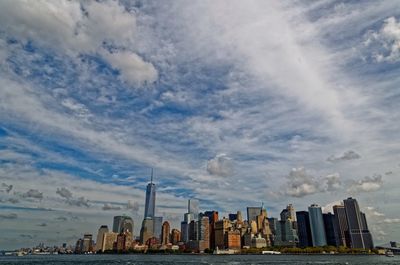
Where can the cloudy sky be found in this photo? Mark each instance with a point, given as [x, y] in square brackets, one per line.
[232, 102]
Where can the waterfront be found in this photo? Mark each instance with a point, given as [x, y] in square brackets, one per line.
[202, 259]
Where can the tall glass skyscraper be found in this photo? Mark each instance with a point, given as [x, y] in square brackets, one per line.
[360, 237]
[150, 206]
[304, 229]
[317, 226]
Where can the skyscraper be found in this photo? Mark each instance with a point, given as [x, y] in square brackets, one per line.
[157, 226]
[100, 237]
[150, 206]
[252, 213]
[165, 236]
[304, 229]
[331, 232]
[123, 224]
[147, 230]
[341, 225]
[193, 207]
[359, 235]
[288, 213]
[317, 225]
[212, 218]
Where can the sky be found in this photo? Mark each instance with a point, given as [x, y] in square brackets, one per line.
[235, 103]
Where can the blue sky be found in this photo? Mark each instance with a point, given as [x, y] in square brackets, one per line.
[231, 103]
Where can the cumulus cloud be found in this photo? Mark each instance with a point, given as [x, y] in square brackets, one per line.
[80, 202]
[300, 183]
[6, 188]
[134, 206]
[33, 193]
[372, 212]
[80, 28]
[13, 200]
[367, 184]
[8, 216]
[391, 220]
[133, 69]
[385, 42]
[64, 192]
[220, 165]
[110, 207]
[348, 155]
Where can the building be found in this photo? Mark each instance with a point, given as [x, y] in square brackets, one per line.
[157, 222]
[232, 217]
[332, 238]
[258, 242]
[193, 208]
[193, 229]
[150, 204]
[288, 213]
[87, 243]
[203, 233]
[122, 224]
[175, 236]
[221, 227]
[165, 236]
[359, 235]
[252, 213]
[100, 237]
[304, 229]
[108, 241]
[121, 242]
[212, 218]
[232, 239]
[342, 227]
[317, 226]
[147, 230]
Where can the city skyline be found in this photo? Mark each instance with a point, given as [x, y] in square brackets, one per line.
[234, 105]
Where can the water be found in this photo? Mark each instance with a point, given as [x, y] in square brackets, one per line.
[201, 259]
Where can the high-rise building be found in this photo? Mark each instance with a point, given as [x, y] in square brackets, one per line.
[304, 229]
[87, 243]
[108, 241]
[317, 225]
[100, 237]
[165, 236]
[193, 208]
[122, 224]
[359, 235]
[331, 232]
[288, 213]
[175, 236]
[157, 222]
[221, 227]
[232, 239]
[232, 217]
[341, 225]
[203, 233]
[252, 213]
[212, 218]
[150, 206]
[193, 229]
[147, 230]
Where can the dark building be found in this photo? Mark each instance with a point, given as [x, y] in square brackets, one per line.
[304, 229]
[331, 233]
[252, 213]
[150, 206]
[193, 230]
[212, 218]
[232, 217]
[342, 228]
[360, 237]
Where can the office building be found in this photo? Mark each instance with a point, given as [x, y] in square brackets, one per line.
[147, 230]
[157, 222]
[288, 213]
[232, 239]
[150, 205]
[100, 237]
[175, 236]
[221, 227]
[317, 226]
[304, 229]
[122, 224]
[165, 233]
[232, 217]
[252, 213]
[341, 225]
[203, 233]
[359, 235]
[331, 232]
[193, 208]
[212, 218]
[108, 241]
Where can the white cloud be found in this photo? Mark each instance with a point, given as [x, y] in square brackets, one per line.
[391, 220]
[64, 192]
[386, 40]
[220, 165]
[367, 184]
[300, 183]
[33, 193]
[134, 69]
[110, 207]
